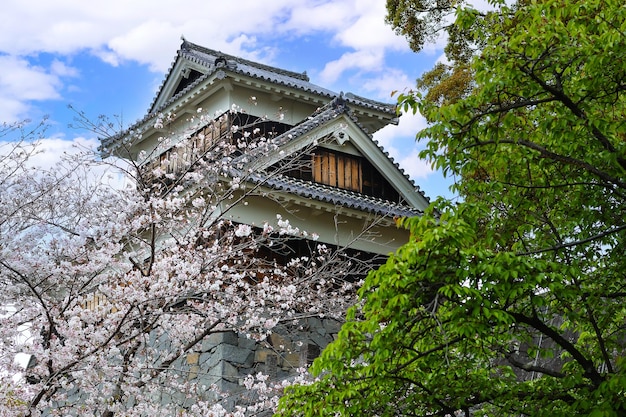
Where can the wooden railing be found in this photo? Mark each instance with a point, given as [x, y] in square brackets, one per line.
[181, 157]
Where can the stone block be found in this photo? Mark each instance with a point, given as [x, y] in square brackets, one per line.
[279, 342]
[291, 360]
[208, 344]
[237, 355]
[332, 326]
[271, 365]
[246, 343]
[308, 352]
[230, 387]
[218, 338]
[320, 340]
[230, 338]
[193, 372]
[210, 360]
[204, 357]
[193, 358]
[227, 352]
[314, 323]
[206, 381]
[260, 355]
[230, 373]
[215, 371]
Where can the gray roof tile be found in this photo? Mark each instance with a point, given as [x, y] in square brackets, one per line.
[333, 195]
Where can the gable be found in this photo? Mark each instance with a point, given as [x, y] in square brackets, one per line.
[328, 149]
[331, 148]
[195, 63]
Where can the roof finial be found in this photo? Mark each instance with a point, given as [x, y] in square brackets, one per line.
[339, 101]
[184, 43]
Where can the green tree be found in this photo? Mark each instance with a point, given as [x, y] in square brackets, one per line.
[512, 302]
[422, 21]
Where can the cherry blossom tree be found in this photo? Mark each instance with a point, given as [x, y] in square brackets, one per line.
[111, 289]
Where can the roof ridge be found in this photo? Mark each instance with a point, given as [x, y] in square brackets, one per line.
[355, 98]
[190, 46]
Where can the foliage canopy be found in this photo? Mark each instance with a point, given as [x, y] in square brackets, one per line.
[511, 302]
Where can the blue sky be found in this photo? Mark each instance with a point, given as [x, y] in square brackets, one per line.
[109, 58]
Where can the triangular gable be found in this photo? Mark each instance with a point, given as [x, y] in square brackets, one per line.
[183, 74]
[333, 136]
[195, 63]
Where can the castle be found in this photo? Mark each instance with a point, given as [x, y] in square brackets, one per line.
[323, 172]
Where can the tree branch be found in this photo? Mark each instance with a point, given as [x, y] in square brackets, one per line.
[586, 364]
[575, 243]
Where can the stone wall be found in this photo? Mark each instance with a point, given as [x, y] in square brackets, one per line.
[223, 360]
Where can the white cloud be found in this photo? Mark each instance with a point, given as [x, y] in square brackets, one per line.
[145, 42]
[21, 83]
[145, 31]
[149, 32]
[372, 60]
[59, 69]
[409, 125]
[369, 31]
[313, 16]
[12, 109]
[21, 80]
[359, 26]
[415, 167]
[381, 85]
[400, 142]
[53, 149]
